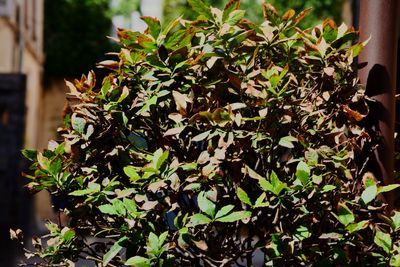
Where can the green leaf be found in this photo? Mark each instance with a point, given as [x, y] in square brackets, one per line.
[159, 158]
[287, 141]
[30, 154]
[106, 87]
[92, 188]
[345, 215]
[253, 174]
[330, 33]
[154, 26]
[259, 202]
[131, 172]
[369, 180]
[327, 188]
[55, 166]
[147, 104]
[354, 227]
[242, 195]
[67, 234]
[395, 260]
[162, 238]
[189, 166]
[312, 157]
[138, 261]
[235, 216]
[201, 8]
[387, 188]
[206, 205]
[117, 208]
[175, 39]
[396, 220]
[152, 243]
[225, 210]
[369, 194]
[78, 124]
[383, 240]
[124, 94]
[114, 250]
[229, 8]
[277, 185]
[301, 233]
[266, 186]
[130, 206]
[108, 209]
[199, 219]
[235, 17]
[303, 172]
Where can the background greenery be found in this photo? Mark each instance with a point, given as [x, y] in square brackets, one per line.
[76, 30]
[321, 9]
[75, 35]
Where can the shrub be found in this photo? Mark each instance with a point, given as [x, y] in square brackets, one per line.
[215, 140]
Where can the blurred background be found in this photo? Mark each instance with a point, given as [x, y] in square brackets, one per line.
[43, 42]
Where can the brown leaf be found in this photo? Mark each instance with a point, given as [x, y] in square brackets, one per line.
[72, 88]
[310, 46]
[231, 3]
[201, 244]
[252, 91]
[288, 15]
[108, 64]
[196, 60]
[269, 9]
[301, 15]
[353, 114]
[234, 80]
[330, 23]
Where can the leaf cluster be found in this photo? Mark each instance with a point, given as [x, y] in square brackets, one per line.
[215, 140]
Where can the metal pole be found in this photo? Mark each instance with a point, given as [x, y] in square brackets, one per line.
[378, 19]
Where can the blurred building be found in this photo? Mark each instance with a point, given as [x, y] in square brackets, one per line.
[21, 68]
[21, 51]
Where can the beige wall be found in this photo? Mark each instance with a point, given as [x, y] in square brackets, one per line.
[53, 105]
[7, 45]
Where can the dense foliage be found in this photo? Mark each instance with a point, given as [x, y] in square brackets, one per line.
[322, 9]
[71, 22]
[216, 140]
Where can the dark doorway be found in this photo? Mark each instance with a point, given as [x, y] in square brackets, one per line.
[15, 211]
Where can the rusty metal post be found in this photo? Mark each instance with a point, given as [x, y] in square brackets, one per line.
[378, 19]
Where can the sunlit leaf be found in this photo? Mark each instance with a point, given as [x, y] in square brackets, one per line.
[287, 141]
[114, 250]
[369, 194]
[242, 195]
[345, 215]
[206, 205]
[383, 240]
[199, 219]
[303, 172]
[225, 210]
[138, 261]
[235, 216]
